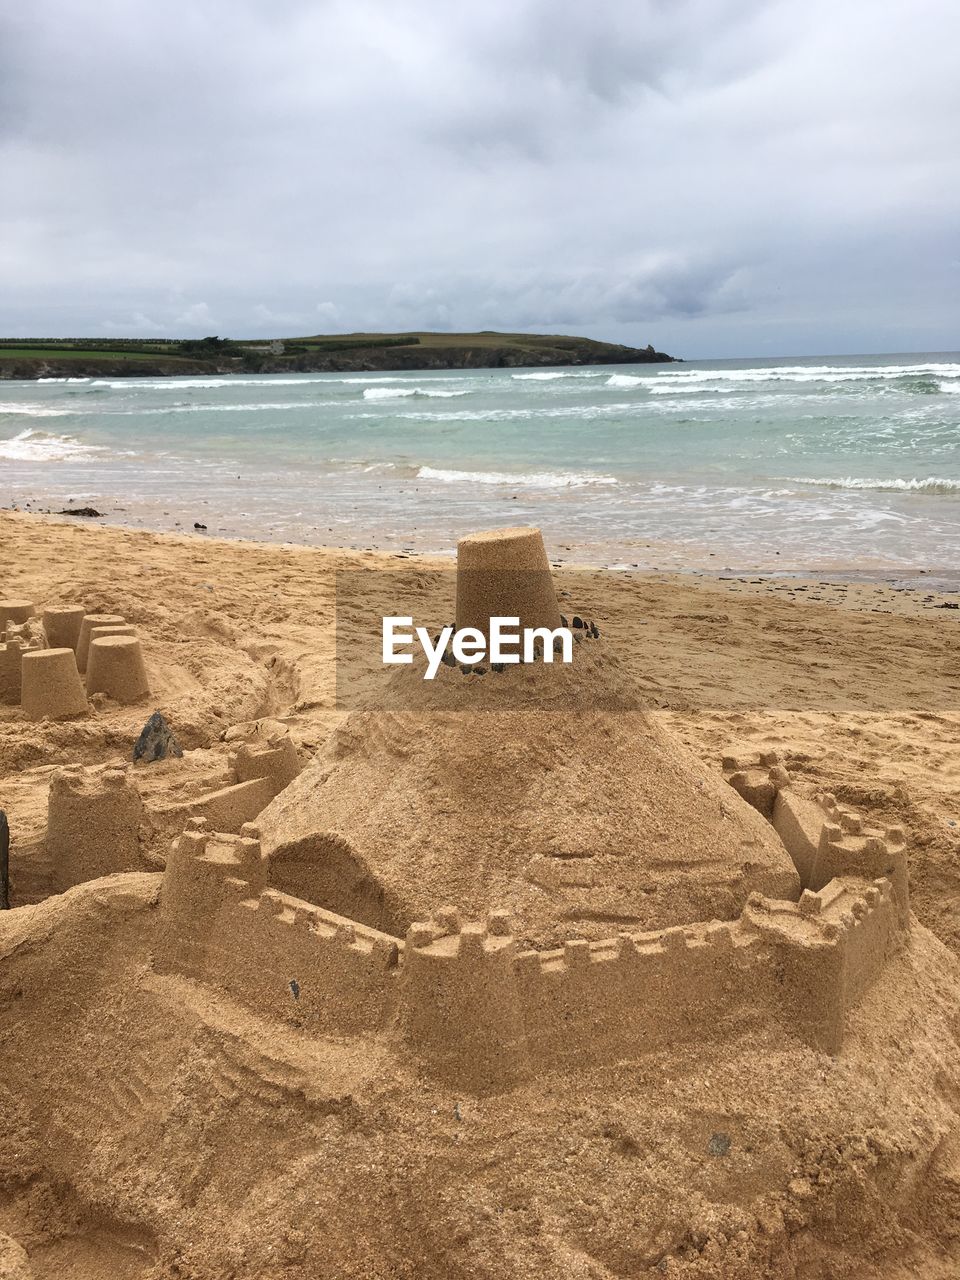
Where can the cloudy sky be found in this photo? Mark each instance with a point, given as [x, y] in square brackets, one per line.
[718, 177]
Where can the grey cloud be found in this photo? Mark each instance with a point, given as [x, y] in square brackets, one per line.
[709, 175]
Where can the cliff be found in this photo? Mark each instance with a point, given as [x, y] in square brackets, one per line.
[351, 353]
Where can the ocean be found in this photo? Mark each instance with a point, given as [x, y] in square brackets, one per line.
[848, 463]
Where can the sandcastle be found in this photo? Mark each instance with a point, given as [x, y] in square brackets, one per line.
[402, 885]
[41, 670]
[50, 685]
[62, 626]
[509, 947]
[498, 946]
[115, 667]
[97, 815]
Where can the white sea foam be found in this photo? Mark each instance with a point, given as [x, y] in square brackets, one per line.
[530, 480]
[951, 388]
[32, 410]
[552, 374]
[256, 407]
[624, 380]
[400, 393]
[42, 446]
[809, 373]
[204, 384]
[694, 388]
[932, 484]
[63, 379]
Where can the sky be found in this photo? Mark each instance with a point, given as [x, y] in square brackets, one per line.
[718, 177]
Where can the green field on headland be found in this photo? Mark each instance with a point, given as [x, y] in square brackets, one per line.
[333, 353]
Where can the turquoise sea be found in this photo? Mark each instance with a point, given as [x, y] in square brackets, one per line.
[781, 463]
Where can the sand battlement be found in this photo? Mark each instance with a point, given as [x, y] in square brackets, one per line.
[276, 762]
[283, 957]
[93, 822]
[476, 1009]
[90, 781]
[825, 839]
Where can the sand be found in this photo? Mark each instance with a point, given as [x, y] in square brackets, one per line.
[154, 1128]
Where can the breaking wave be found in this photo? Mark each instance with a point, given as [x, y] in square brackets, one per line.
[203, 384]
[42, 446]
[400, 393]
[33, 411]
[530, 480]
[810, 373]
[932, 484]
[549, 376]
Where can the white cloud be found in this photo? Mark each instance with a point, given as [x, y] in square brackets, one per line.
[196, 316]
[138, 323]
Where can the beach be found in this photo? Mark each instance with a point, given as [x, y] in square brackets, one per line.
[852, 686]
[859, 683]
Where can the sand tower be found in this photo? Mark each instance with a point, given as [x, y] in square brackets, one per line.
[115, 667]
[91, 620]
[62, 626]
[119, 629]
[544, 790]
[11, 670]
[50, 685]
[505, 573]
[14, 611]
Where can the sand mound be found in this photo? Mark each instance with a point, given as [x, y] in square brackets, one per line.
[539, 788]
[577, 820]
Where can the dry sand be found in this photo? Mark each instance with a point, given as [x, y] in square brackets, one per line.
[152, 1129]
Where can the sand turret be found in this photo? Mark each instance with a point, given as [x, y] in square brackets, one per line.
[62, 626]
[99, 633]
[115, 667]
[11, 670]
[91, 620]
[93, 823]
[505, 573]
[50, 685]
[14, 611]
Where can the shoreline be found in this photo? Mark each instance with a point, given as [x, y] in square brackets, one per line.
[911, 590]
[662, 557]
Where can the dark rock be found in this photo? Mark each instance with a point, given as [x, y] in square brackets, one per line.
[563, 621]
[594, 631]
[91, 512]
[578, 621]
[156, 741]
[198, 525]
[479, 671]
[448, 659]
[497, 666]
